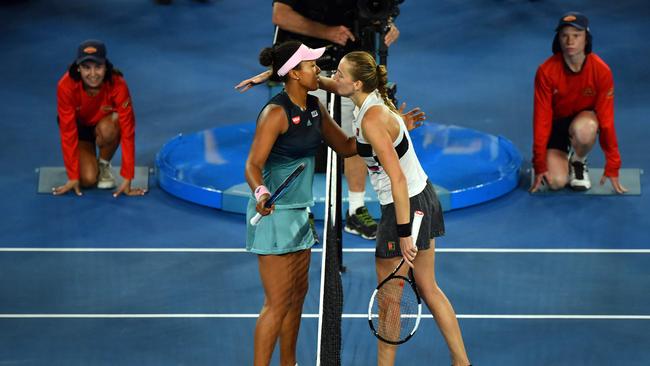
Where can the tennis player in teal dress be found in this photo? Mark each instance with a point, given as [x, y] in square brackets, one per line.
[290, 128]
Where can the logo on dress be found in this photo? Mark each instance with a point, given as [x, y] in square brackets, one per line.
[309, 123]
[295, 120]
[374, 169]
[391, 246]
[588, 92]
[314, 113]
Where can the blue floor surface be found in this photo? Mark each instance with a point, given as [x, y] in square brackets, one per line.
[468, 63]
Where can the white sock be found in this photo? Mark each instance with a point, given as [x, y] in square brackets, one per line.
[104, 162]
[355, 200]
[575, 157]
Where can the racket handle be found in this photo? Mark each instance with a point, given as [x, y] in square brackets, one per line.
[415, 226]
[256, 219]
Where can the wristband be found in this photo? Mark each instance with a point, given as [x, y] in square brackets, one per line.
[260, 191]
[404, 230]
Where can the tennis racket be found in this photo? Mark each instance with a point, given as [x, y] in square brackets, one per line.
[279, 192]
[395, 306]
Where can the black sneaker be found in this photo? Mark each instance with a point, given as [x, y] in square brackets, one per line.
[361, 223]
[312, 225]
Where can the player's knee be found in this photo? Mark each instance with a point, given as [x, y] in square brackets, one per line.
[107, 131]
[107, 134]
[584, 136]
[300, 293]
[557, 181]
[584, 129]
[87, 179]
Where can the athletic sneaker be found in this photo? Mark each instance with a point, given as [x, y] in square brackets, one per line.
[361, 223]
[105, 180]
[312, 225]
[579, 176]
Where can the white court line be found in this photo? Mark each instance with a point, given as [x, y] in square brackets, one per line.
[318, 250]
[348, 316]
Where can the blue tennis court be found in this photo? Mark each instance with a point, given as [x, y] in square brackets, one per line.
[156, 280]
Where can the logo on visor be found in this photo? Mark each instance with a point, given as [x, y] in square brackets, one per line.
[295, 120]
[90, 50]
[569, 18]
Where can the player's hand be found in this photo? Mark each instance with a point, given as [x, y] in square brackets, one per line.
[392, 34]
[540, 179]
[251, 82]
[339, 34]
[409, 250]
[263, 210]
[125, 188]
[72, 184]
[618, 187]
[413, 118]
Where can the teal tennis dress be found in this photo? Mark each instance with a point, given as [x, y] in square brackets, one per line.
[287, 229]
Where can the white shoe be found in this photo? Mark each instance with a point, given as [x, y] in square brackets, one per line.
[105, 180]
[579, 176]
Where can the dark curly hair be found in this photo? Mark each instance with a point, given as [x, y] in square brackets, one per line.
[277, 56]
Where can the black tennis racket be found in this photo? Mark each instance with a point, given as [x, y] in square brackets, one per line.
[395, 306]
[279, 192]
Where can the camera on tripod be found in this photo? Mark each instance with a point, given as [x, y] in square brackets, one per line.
[373, 18]
[377, 13]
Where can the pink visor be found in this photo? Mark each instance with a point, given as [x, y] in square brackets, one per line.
[303, 53]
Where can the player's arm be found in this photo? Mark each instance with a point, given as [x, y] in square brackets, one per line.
[288, 19]
[335, 137]
[66, 114]
[542, 126]
[252, 81]
[607, 135]
[325, 83]
[271, 124]
[126, 120]
[376, 125]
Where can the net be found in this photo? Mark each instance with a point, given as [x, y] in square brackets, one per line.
[331, 294]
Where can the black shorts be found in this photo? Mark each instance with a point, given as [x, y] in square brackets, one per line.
[84, 132]
[560, 138]
[433, 225]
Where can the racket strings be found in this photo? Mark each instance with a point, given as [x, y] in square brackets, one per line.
[395, 310]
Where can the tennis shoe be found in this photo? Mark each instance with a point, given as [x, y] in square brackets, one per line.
[579, 176]
[361, 223]
[105, 180]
